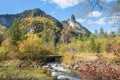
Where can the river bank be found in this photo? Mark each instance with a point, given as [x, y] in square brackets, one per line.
[96, 70]
[25, 70]
[21, 70]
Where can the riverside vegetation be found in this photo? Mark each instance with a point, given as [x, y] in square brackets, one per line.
[25, 46]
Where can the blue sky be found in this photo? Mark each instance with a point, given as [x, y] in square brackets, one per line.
[62, 10]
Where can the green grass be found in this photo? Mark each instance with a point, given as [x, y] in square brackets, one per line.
[12, 72]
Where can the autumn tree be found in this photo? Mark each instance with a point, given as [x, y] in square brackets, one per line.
[3, 33]
[30, 48]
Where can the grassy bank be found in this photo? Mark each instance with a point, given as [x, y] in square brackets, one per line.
[78, 57]
[9, 70]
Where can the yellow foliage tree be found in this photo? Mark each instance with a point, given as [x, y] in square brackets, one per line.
[30, 48]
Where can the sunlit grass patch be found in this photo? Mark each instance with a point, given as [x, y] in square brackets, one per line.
[10, 71]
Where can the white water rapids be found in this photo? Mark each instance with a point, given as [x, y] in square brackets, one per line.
[61, 73]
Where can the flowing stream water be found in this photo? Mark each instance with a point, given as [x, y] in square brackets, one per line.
[61, 73]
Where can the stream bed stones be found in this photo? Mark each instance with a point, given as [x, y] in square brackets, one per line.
[97, 70]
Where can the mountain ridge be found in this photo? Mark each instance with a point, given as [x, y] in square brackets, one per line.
[7, 20]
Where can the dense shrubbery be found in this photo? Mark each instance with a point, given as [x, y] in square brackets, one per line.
[32, 45]
[26, 46]
[92, 44]
[30, 48]
[3, 33]
[7, 50]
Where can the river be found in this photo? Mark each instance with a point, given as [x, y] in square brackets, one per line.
[61, 73]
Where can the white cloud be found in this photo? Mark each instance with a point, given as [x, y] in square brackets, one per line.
[113, 19]
[101, 21]
[66, 3]
[90, 21]
[108, 0]
[104, 20]
[69, 3]
[81, 20]
[95, 14]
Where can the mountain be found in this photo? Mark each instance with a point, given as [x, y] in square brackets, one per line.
[76, 26]
[34, 21]
[7, 19]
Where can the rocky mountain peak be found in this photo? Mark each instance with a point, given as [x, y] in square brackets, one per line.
[72, 18]
[77, 27]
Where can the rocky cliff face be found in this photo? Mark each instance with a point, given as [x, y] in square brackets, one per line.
[76, 26]
[6, 20]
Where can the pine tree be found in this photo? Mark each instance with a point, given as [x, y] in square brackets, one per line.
[96, 33]
[118, 32]
[112, 34]
[102, 34]
[15, 32]
[92, 44]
